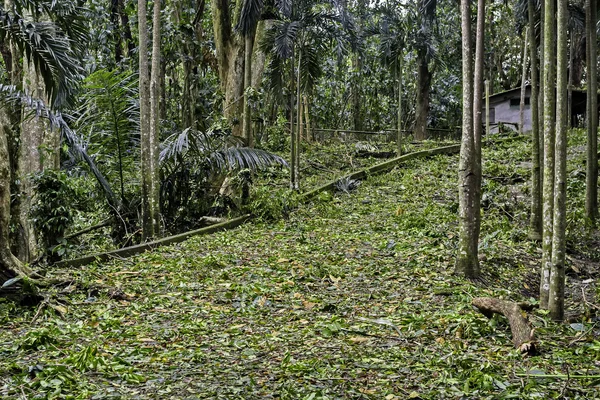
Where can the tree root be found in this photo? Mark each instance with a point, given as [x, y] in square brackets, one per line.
[522, 332]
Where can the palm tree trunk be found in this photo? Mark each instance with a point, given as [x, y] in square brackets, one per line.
[299, 120]
[523, 86]
[247, 117]
[467, 262]
[293, 142]
[155, 80]
[549, 140]
[10, 266]
[535, 222]
[309, 136]
[591, 182]
[423, 85]
[356, 109]
[145, 113]
[557, 273]
[399, 134]
[478, 117]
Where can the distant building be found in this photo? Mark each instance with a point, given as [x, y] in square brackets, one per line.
[505, 108]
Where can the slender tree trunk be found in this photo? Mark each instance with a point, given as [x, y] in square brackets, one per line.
[309, 135]
[126, 29]
[145, 115]
[591, 181]
[467, 262]
[400, 89]
[423, 86]
[488, 129]
[293, 142]
[300, 113]
[549, 140]
[557, 273]
[230, 59]
[356, 100]
[523, 86]
[299, 119]
[477, 114]
[571, 79]
[155, 79]
[38, 150]
[535, 221]
[247, 117]
[10, 266]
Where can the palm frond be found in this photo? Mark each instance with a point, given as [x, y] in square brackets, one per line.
[238, 158]
[10, 96]
[69, 16]
[50, 51]
[284, 39]
[310, 65]
[285, 7]
[249, 16]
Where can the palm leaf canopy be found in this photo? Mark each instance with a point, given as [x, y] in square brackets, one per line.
[217, 150]
[49, 49]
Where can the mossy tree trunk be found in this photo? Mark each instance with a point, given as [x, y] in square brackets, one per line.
[467, 262]
[293, 141]
[153, 200]
[145, 116]
[247, 117]
[422, 103]
[10, 266]
[399, 73]
[535, 221]
[39, 149]
[557, 272]
[549, 87]
[591, 182]
[478, 91]
[523, 79]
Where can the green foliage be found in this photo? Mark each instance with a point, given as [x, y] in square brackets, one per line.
[107, 117]
[53, 209]
[341, 298]
[276, 137]
[272, 204]
[194, 166]
[52, 46]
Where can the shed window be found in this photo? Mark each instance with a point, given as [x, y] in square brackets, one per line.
[492, 115]
[516, 103]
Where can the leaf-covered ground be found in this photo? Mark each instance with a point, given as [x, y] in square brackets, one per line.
[352, 296]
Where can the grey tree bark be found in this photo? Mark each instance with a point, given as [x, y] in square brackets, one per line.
[153, 200]
[247, 116]
[535, 221]
[400, 89]
[10, 266]
[467, 262]
[591, 181]
[422, 103]
[145, 115]
[549, 86]
[523, 86]
[557, 272]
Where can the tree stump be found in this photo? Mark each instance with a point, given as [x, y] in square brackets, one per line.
[522, 332]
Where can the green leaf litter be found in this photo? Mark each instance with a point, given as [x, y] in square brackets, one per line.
[352, 296]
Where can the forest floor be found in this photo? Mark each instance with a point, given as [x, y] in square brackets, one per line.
[350, 296]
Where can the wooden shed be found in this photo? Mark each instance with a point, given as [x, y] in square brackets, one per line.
[505, 109]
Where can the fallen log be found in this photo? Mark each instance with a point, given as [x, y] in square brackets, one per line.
[522, 332]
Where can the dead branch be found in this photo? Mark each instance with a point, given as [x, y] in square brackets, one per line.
[522, 332]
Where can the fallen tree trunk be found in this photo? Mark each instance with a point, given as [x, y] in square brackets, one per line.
[522, 332]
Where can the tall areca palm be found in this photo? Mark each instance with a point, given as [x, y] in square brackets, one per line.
[410, 25]
[301, 33]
